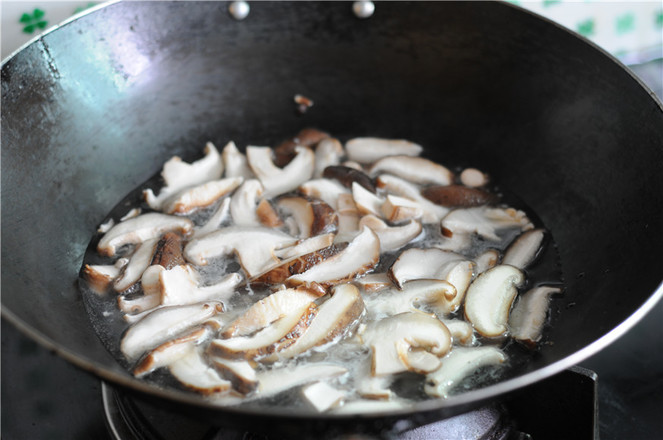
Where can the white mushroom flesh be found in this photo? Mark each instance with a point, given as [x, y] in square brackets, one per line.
[334, 287]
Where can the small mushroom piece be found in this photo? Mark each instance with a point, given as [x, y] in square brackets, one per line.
[328, 152]
[312, 216]
[100, 277]
[139, 229]
[370, 149]
[359, 257]
[322, 396]
[392, 237]
[180, 286]
[244, 201]
[286, 150]
[195, 373]
[254, 247]
[374, 282]
[138, 304]
[457, 196]
[267, 215]
[461, 331]
[298, 265]
[179, 175]
[489, 298]
[239, 372]
[267, 310]
[105, 227]
[326, 190]
[487, 259]
[459, 364]
[275, 337]
[235, 162]
[348, 218]
[523, 251]
[395, 342]
[306, 246]
[135, 212]
[200, 196]
[473, 178]
[484, 221]
[528, 316]
[413, 169]
[335, 317]
[348, 176]
[275, 180]
[366, 201]
[397, 209]
[374, 388]
[170, 351]
[459, 274]
[432, 293]
[416, 263]
[214, 222]
[432, 213]
[164, 324]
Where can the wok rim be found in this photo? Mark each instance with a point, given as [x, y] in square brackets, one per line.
[453, 404]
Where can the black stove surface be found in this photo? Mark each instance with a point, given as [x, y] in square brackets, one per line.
[44, 397]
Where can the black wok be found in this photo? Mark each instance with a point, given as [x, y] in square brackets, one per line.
[92, 109]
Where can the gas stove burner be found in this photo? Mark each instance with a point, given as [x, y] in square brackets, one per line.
[532, 413]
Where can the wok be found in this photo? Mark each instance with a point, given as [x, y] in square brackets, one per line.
[92, 109]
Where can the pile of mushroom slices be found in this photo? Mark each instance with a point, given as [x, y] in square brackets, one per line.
[323, 269]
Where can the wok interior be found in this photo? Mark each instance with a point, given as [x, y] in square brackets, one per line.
[94, 108]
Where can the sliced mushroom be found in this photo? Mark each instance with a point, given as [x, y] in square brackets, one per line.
[267, 215]
[473, 178]
[193, 372]
[348, 218]
[457, 196]
[164, 324]
[374, 282]
[461, 331]
[142, 228]
[397, 209]
[459, 274]
[374, 388]
[278, 380]
[348, 176]
[306, 246]
[214, 222]
[322, 396]
[200, 196]
[179, 175]
[396, 341]
[244, 202]
[392, 237]
[170, 351]
[99, 276]
[240, 373]
[312, 216]
[370, 149]
[275, 337]
[286, 150]
[168, 251]
[413, 169]
[487, 259]
[489, 298]
[254, 247]
[326, 190]
[180, 286]
[459, 364]
[328, 152]
[523, 251]
[366, 201]
[235, 162]
[359, 257]
[484, 221]
[528, 316]
[335, 318]
[270, 309]
[138, 304]
[436, 294]
[417, 263]
[298, 265]
[432, 213]
[275, 180]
